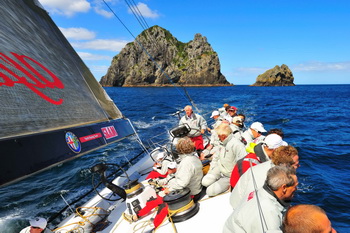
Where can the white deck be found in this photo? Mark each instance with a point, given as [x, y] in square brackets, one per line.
[211, 217]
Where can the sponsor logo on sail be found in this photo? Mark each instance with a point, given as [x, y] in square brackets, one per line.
[90, 137]
[73, 142]
[109, 132]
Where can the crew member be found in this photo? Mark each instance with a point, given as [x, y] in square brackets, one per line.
[197, 124]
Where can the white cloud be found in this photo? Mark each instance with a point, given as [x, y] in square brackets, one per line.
[145, 11]
[103, 12]
[78, 33]
[100, 44]
[93, 57]
[322, 66]
[99, 7]
[66, 7]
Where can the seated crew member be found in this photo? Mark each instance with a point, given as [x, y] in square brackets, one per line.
[255, 176]
[189, 171]
[172, 167]
[306, 219]
[37, 225]
[254, 133]
[197, 124]
[160, 167]
[231, 112]
[223, 109]
[264, 208]
[236, 126]
[215, 115]
[217, 180]
[262, 153]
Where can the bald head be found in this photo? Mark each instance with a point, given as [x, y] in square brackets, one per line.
[306, 219]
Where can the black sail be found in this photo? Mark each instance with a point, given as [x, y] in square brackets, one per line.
[46, 92]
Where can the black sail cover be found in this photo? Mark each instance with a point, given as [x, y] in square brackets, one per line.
[44, 84]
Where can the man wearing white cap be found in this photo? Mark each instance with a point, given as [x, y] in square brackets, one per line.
[217, 120]
[37, 225]
[254, 133]
[255, 176]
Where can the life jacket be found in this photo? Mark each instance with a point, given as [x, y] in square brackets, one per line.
[242, 166]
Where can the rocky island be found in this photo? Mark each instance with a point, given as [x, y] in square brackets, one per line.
[277, 76]
[189, 64]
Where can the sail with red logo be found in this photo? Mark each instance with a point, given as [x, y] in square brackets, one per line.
[52, 108]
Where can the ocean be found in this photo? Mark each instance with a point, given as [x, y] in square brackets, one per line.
[314, 118]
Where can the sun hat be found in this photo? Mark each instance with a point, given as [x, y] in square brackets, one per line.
[38, 222]
[257, 126]
[214, 113]
[273, 141]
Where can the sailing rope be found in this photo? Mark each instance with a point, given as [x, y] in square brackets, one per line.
[148, 54]
[85, 218]
[261, 214]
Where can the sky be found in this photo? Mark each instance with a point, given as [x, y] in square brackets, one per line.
[311, 37]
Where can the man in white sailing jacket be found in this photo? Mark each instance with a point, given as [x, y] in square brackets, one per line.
[189, 172]
[217, 180]
[197, 124]
[255, 176]
[254, 133]
[265, 213]
[37, 225]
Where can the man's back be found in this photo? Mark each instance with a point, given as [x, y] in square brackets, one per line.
[247, 218]
[246, 183]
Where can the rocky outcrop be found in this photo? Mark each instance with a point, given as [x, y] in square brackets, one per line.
[278, 76]
[193, 64]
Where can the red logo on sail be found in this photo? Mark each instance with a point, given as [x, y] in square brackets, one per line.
[22, 72]
[109, 132]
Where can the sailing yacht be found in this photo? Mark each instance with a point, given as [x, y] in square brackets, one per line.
[53, 110]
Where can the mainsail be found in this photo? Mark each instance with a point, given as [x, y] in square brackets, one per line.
[52, 108]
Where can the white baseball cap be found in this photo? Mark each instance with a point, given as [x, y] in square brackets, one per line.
[214, 113]
[38, 222]
[257, 126]
[172, 165]
[273, 141]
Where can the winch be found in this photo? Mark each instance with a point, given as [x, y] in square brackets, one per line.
[137, 196]
[181, 205]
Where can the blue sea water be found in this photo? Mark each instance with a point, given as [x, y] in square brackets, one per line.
[315, 119]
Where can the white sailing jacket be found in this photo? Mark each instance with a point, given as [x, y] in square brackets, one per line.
[230, 152]
[245, 184]
[247, 218]
[195, 122]
[189, 174]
